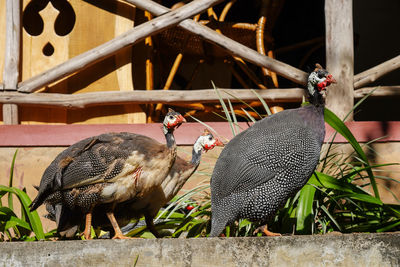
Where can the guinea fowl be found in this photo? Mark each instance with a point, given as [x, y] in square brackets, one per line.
[150, 204]
[260, 168]
[107, 169]
[180, 172]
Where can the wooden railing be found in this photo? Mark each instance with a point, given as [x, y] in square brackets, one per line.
[339, 48]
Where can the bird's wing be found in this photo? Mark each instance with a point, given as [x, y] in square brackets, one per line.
[259, 154]
[107, 157]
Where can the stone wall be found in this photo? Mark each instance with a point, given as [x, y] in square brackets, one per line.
[381, 250]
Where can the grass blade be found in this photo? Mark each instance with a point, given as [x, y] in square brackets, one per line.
[265, 105]
[234, 118]
[10, 182]
[341, 128]
[225, 109]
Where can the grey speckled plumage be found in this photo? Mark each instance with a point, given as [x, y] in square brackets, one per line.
[260, 168]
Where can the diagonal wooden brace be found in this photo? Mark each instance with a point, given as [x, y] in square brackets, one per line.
[130, 37]
[231, 46]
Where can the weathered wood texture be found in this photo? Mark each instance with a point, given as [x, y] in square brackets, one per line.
[381, 91]
[12, 47]
[79, 35]
[10, 114]
[12, 57]
[228, 44]
[2, 38]
[128, 38]
[371, 75]
[340, 55]
[84, 100]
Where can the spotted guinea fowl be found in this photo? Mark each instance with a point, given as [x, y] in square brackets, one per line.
[149, 204]
[260, 168]
[109, 168]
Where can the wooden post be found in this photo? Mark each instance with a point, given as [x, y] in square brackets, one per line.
[11, 57]
[340, 55]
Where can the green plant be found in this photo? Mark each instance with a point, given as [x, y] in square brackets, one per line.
[334, 199]
[13, 227]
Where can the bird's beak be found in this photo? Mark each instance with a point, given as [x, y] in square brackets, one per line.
[218, 142]
[331, 79]
[181, 120]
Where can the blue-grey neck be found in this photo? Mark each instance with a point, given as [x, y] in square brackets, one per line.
[196, 156]
[317, 99]
[169, 136]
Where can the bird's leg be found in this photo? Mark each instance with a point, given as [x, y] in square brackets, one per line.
[265, 230]
[88, 225]
[114, 223]
[151, 226]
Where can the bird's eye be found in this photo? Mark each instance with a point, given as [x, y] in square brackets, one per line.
[210, 138]
[171, 117]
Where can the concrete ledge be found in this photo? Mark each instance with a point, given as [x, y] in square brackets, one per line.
[317, 250]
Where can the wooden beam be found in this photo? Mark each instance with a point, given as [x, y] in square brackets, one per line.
[84, 100]
[78, 101]
[130, 37]
[340, 55]
[381, 91]
[371, 75]
[229, 45]
[12, 57]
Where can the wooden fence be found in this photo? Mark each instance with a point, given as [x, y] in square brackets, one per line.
[339, 53]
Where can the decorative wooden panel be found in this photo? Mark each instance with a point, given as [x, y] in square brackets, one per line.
[55, 31]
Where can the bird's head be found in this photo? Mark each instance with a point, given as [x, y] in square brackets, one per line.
[206, 141]
[173, 120]
[318, 80]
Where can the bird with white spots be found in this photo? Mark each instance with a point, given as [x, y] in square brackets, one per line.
[260, 168]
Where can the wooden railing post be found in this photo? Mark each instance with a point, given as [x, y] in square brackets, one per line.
[12, 57]
[340, 55]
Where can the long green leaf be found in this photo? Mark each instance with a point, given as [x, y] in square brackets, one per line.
[389, 227]
[341, 128]
[33, 217]
[304, 212]
[10, 182]
[331, 217]
[327, 181]
[362, 197]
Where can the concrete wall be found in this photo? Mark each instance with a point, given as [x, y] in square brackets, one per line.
[329, 250]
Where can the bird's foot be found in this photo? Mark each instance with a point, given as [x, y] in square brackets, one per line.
[265, 231]
[121, 236]
[87, 236]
